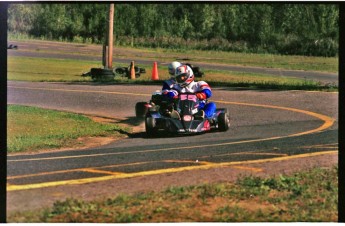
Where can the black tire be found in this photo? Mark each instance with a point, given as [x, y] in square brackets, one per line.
[197, 69]
[223, 121]
[141, 109]
[201, 74]
[136, 71]
[101, 71]
[102, 74]
[190, 65]
[150, 127]
[121, 70]
[12, 47]
[197, 72]
[225, 110]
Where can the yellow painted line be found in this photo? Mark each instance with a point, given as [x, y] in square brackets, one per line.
[329, 152]
[189, 161]
[322, 147]
[76, 170]
[160, 171]
[262, 153]
[148, 151]
[248, 168]
[97, 169]
[245, 153]
[42, 174]
[125, 164]
[334, 145]
[328, 121]
[333, 92]
[101, 171]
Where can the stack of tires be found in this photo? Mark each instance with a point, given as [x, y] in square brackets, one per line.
[196, 70]
[102, 74]
[126, 71]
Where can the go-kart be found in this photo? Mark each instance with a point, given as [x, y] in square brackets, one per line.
[181, 117]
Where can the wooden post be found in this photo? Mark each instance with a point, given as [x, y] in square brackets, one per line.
[104, 56]
[110, 36]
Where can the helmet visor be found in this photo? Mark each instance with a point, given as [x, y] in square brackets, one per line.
[181, 78]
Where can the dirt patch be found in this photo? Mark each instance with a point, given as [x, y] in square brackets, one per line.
[134, 124]
[90, 142]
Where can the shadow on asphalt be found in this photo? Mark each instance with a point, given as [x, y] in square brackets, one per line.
[134, 121]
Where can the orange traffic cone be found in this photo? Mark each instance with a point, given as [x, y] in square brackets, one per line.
[155, 72]
[132, 70]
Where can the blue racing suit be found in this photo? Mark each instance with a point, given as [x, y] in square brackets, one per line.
[202, 91]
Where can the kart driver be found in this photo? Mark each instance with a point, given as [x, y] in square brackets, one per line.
[184, 77]
[168, 84]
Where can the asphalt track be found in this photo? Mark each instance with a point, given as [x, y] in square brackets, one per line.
[265, 126]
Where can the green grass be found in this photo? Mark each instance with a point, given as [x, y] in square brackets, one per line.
[42, 69]
[32, 128]
[324, 64]
[63, 70]
[309, 196]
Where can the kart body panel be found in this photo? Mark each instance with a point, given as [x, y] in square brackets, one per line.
[182, 119]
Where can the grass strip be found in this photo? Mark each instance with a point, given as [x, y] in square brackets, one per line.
[308, 196]
[32, 129]
[62, 70]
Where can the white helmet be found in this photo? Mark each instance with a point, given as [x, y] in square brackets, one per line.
[184, 75]
[172, 67]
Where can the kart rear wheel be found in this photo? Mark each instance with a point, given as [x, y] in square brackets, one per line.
[223, 121]
[141, 109]
[150, 126]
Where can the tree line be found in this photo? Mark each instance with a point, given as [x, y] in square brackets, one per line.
[290, 28]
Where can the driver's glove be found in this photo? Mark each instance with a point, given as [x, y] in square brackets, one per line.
[171, 94]
[201, 95]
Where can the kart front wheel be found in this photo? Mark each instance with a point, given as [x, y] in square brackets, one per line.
[141, 109]
[150, 126]
[223, 121]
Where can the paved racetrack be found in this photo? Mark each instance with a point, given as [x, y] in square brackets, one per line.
[266, 126]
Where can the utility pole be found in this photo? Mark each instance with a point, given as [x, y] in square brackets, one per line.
[110, 36]
[107, 53]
